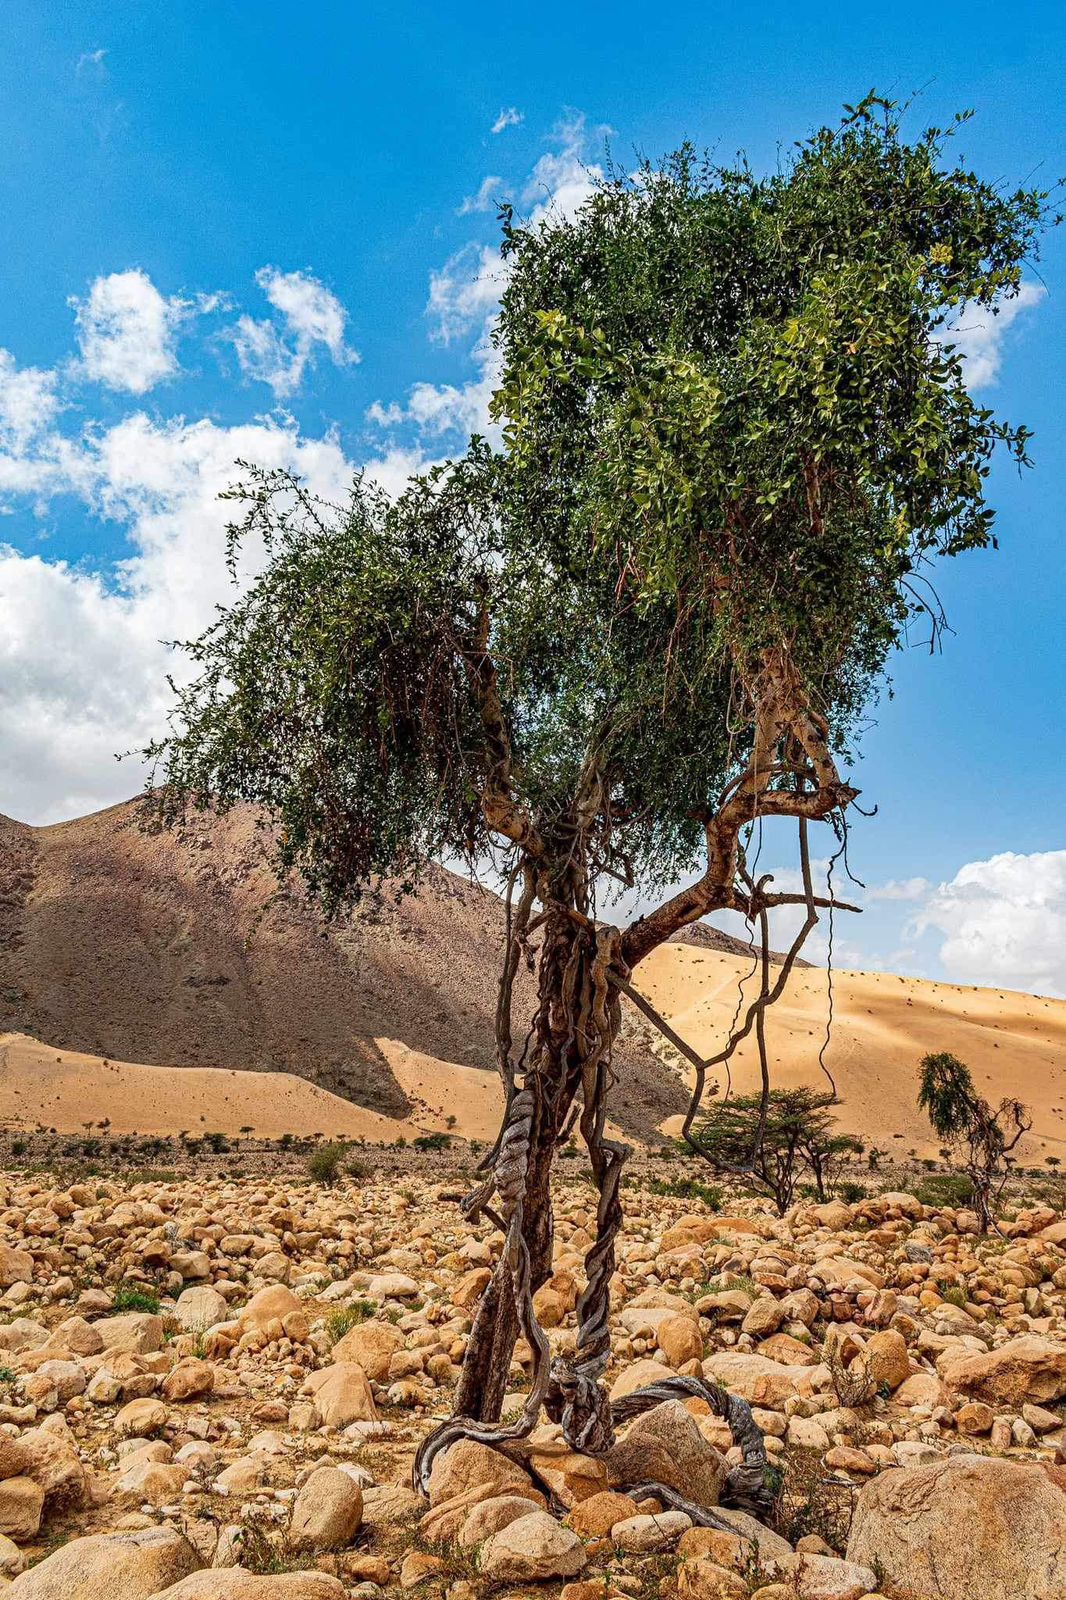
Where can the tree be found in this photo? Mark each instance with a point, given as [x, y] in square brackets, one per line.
[782, 1131]
[984, 1137]
[735, 433]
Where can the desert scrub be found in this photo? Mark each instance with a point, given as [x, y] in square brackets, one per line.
[326, 1163]
[135, 1297]
[708, 1194]
[342, 1319]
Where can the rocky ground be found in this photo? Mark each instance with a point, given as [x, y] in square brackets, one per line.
[214, 1387]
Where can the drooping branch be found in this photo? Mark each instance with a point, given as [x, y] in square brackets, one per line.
[789, 738]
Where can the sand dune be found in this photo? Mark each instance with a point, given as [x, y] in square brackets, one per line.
[73, 1093]
[1014, 1044]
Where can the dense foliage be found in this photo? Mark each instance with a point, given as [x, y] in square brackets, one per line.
[733, 422]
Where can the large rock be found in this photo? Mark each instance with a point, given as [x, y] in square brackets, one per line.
[16, 1266]
[666, 1446]
[756, 1379]
[967, 1527]
[1027, 1368]
[50, 1457]
[371, 1345]
[199, 1308]
[21, 1505]
[233, 1583]
[327, 1512]
[137, 1332]
[342, 1394]
[532, 1548]
[120, 1566]
[467, 1465]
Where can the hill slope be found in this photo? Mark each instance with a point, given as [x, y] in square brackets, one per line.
[1014, 1044]
[180, 951]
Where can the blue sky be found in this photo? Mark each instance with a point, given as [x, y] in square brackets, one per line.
[267, 230]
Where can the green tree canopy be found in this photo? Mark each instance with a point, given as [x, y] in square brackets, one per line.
[735, 431]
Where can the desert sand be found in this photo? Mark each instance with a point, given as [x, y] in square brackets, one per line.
[1014, 1044]
[73, 1093]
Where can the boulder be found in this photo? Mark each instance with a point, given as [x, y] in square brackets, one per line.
[704, 1579]
[1027, 1368]
[234, 1583]
[16, 1266]
[199, 1308]
[122, 1566]
[371, 1345]
[21, 1506]
[137, 1332]
[756, 1379]
[666, 1446]
[966, 1525]
[597, 1515]
[189, 1380]
[327, 1511]
[274, 1303]
[466, 1465]
[642, 1534]
[342, 1394]
[886, 1358]
[532, 1548]
[139, 1419]
[489, 1516]
[49, 1456]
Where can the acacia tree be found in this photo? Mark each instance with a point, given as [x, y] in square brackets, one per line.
[984, 1136]
[734, 434]
[775, 1138]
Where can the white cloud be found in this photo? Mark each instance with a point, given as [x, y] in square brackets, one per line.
[311, 315]
[979, 332]
[899, 889]
[490, 191]
[83, 658]
[466, 290]
[509, 117]
[127, 331]
[91, 61]
[1004, 922]
[28, 402]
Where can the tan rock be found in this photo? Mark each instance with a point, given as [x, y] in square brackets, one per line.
[200, 1308]
[490, 1516]
[466, 1465]
[151, 1481]
[371, 1345]
[704, 1579]
[1029, 1367]
[342, 1394]
[966, 1525]
[886, 1358]
[233, 1583]
[16, 1266]
[645, 1533]
[189, 1380]
[596, 1516]
[120, 1566]
[139, 1419]
[327, 1512]
[274, 1303]
[639, 1375]
[764, 1316]
[680, 1340]
[21, 1506]
[666, 1446]
[974, 1417]
[139, 1332]
[822, 1577]
[756, 1379]
[532, 1548]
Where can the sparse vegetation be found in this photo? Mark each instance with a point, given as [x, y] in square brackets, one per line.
[326, 1164]
[135, 1297]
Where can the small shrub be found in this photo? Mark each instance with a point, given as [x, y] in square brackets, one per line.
[433, 1141]
[342, 1319]
[851, 1193]
[688, 1189]
[324, 1164]
[953, 1189]
[135, 1297]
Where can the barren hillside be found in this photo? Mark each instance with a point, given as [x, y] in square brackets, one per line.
[181, 951]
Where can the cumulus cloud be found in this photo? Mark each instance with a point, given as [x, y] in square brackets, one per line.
[980, 331]
[509, 117]
[83, 655]
[28, 402]
[1004, 922]
[128, 331]
[311, 315]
